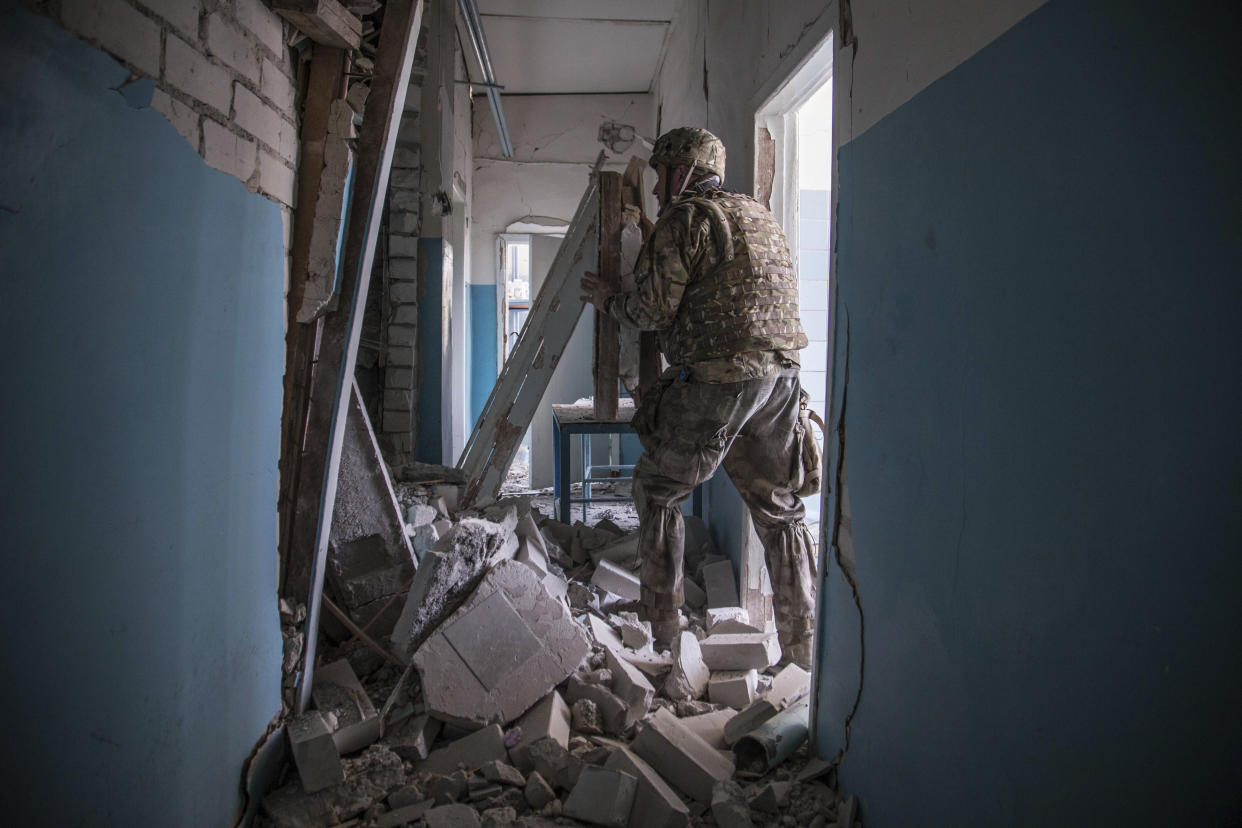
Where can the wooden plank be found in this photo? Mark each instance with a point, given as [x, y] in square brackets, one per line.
[648, 341]
[606, 358]
[326, 83]
[518, 390]
[324, 21]
[338, 347]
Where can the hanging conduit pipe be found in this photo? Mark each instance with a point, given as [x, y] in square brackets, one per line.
[474, 27]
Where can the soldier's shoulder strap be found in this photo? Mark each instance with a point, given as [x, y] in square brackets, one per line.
[722, 233]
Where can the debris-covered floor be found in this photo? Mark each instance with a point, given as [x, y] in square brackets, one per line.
[509, 681]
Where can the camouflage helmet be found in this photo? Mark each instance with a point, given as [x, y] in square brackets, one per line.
[692, 147]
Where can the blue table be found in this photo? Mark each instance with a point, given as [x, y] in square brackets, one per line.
[570, 420]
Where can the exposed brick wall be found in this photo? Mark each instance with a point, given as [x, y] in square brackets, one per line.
[224, 76]
[400, 392]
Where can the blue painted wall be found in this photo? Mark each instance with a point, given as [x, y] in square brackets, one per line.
[428, 446]
[1040, 272]
[141, 323]
[482, 346]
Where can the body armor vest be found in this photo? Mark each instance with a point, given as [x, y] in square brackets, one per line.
[746, 301]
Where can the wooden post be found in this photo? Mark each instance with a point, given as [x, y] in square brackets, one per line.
[338, 348]
[325, 85]
[607, 352]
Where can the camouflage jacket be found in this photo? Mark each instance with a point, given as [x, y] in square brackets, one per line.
[716, 281]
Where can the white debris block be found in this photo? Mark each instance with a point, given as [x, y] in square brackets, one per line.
[690, 674]
[631, 686]
[656, 805]
[314, 753]
[549, 719]
[634, 632]
[499, 653]
[677, 754]
[602, 796]
[694, 594]
[617, 580]
[470, 752]
[710, 727]
[715, 615]
[337, 691]
[731, 651]
[733, 688]
[623, 551]
[604, 634]
[653, 664]
[420, 514]
[721, 584]
[789, 685]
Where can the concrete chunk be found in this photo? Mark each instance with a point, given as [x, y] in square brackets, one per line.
[502, 651]
[656, 805]
[631, 686]
[696, 598]
[681, 757]
[314, 753]
[747, 720]
[445, 573]
[548, 719]
[617, 580]
[720, 584]
[603, 796]
[740, 652]
[452, 816]
[472, 752]
[412, 738]
[623, 551]
[717, 614]
[734, 688]
[604, 634]
[404, 815]
[420, 514]
[612, 710]
[710, 727]
[653, 664]
[689, 676]
[789, 685]
[337, 691]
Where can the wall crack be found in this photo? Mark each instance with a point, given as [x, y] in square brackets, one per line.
[843, 543]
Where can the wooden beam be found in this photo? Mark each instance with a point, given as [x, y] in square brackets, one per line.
[326, 83]
[606, 362]
[324, 21]
[338, 346]
[518, 390]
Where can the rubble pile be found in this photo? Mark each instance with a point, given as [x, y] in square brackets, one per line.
[519, 686]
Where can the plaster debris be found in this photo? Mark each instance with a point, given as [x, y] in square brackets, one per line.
[528, 707]
[338, 692]
[603, 796]
[501, 651]
[689, 676]
[720, 584]
[733, 688]
[616, 579]
[731, 651]
[686, 761]
[317, 759]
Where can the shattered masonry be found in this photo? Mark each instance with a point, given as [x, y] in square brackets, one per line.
[534, 696]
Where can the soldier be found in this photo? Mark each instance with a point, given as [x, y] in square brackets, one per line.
[716, 281]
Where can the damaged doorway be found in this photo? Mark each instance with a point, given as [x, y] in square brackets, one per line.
[794, 177]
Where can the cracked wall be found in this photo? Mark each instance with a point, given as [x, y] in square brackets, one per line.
[1041, 420]
[139, 449]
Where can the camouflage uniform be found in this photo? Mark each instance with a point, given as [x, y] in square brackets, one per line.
[715, 280]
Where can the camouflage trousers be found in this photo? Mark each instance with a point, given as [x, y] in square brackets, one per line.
[750, 428]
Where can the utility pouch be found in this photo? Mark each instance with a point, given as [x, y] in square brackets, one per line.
[810, 467]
